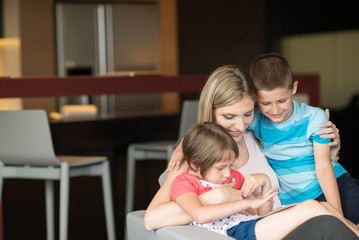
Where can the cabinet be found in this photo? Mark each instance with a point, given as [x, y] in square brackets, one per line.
[95, 39]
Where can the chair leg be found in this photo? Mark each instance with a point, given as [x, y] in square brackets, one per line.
[1, 179]
[130, 180]
[50, 209]
[107, 197]
[1, 207]
[64, 200]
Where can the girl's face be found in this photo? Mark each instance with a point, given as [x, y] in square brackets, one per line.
[236, 117]
[220, 171]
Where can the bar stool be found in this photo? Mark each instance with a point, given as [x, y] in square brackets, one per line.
[26, 152]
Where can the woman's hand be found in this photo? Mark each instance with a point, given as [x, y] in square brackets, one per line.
[329, 130]
[176, 159]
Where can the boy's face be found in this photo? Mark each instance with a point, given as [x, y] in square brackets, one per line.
[277, 104]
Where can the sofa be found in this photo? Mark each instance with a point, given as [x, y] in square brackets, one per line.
[136, 231]
[322, 227]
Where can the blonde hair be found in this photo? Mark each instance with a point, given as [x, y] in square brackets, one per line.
[225, 86]
[205, 144]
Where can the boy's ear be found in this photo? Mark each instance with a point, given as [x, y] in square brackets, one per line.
[295, 87]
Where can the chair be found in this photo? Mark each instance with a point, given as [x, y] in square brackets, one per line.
[156, 150]
[26, 152]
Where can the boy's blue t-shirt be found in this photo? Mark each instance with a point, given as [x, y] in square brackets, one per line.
[288, 147]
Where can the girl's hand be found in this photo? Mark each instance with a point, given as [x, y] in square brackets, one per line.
[222, 194]
[252, 182]
[176, 159]
[259, 201]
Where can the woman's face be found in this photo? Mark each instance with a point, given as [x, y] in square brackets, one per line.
[236, 117]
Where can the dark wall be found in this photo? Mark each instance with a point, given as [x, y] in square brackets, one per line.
[298, 17]
[213, 33]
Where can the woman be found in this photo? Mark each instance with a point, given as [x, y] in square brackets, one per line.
[227, 99]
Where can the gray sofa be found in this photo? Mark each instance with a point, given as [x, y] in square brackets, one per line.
[318, 228]
[136, 231]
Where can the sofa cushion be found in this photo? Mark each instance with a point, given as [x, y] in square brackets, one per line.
[136, 230]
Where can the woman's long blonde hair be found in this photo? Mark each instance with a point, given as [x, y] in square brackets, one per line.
[225, 86]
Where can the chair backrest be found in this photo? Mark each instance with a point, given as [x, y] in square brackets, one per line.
[25, 138]
[188, 116]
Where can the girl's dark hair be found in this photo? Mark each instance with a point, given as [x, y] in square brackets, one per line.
[205, 144]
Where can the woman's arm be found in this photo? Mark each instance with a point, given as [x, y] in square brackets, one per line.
[325, 174]
[163, 212]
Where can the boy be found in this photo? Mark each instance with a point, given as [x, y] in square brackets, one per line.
[288, 135]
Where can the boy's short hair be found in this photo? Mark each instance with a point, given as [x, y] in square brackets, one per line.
[270, 71]
[205, 144]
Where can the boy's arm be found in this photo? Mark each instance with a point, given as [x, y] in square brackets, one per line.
[325, 174]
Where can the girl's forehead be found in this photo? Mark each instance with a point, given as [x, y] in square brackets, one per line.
[227, 158]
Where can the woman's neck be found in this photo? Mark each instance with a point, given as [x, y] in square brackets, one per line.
[243, 157]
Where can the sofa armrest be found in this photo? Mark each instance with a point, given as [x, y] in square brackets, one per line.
[188, 233]
[136, 230]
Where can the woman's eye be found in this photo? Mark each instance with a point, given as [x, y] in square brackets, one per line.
[228, 116]
[248, 114]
